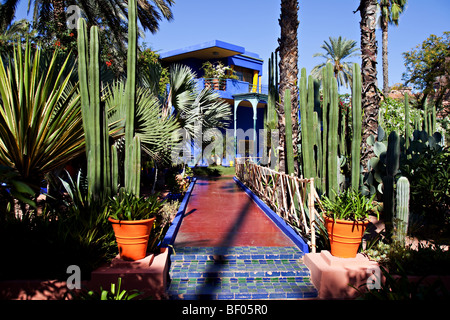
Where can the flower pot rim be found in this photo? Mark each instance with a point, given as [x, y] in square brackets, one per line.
[112, 220]
[344, 221]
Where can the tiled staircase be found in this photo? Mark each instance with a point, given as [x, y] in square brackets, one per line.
[239, 273]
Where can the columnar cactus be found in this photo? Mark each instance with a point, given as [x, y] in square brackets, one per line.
[357, 126]
[100, 155]
[132, 145]
[288, 131]
[402, 209]
[407, 125]
[306, 126]
[392, 168]
[333, 187]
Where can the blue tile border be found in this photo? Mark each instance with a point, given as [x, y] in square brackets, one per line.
[288, 231]
[169, 238]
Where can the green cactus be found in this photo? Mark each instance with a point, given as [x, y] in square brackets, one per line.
[402, 209]
[101, 178]
[305, 125]
[357, 126]
[288, 132]
[392, 169]
[132, 145]
[407, 125]
[333, 187]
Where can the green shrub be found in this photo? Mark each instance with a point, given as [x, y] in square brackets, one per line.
[348, 205]
[429, 176]
[126, 206]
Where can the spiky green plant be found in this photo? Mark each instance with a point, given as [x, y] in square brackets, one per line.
[40, 117]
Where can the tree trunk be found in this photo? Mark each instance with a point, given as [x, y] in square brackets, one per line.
[59, 15]
[370, 98]
[288, 77]
[384, 29]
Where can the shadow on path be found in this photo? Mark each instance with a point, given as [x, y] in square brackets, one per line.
[225, 245]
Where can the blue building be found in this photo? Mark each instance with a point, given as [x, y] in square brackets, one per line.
[246, 95]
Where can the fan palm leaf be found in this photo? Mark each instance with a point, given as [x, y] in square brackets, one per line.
[154, 130]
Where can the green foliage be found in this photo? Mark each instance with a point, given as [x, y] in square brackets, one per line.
[397, 286]
[392, 113]
[40, 117]
[126, 206]
[115, 293]
[421, 261]
[348, 205]
[72, 231]
[429, 176]
[12, 188]
[427, 62]
[161, 225]
[218, 70]
[148, 63]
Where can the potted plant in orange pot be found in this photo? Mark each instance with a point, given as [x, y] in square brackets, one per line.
[132, 220]
[346, 219]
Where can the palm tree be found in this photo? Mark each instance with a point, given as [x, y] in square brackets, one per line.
[390, 13]
[288, 64]
[50, 16]
[335, 52]
[370, 98]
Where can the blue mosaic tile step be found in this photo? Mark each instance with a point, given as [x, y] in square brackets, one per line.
[212, 253]
[239, 273]
[242, 288]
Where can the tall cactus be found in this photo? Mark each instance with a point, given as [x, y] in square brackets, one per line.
[402, 209]
[407, 124]
[132, 156]
[392, 168]
[288, 132]
[357, 126]
[333, 187]
[306, 111]
[102, 179]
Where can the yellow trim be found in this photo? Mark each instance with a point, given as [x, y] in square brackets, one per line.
[255, 80]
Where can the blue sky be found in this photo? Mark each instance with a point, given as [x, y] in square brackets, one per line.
[253, 24]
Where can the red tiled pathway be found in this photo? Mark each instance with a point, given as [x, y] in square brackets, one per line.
[220, 214]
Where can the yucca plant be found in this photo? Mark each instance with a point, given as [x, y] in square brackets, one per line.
[40, 116]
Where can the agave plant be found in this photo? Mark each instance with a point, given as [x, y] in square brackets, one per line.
[40, 116]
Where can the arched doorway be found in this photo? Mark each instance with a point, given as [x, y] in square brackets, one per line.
[249, 109]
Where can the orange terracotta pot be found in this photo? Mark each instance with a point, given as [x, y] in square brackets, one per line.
[345, 236]
[132, 237]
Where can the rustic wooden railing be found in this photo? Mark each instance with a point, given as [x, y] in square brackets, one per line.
[292, 198]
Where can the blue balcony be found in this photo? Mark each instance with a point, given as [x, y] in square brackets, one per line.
[226, 88]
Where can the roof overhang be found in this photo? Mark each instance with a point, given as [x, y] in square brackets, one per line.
[206, 51]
